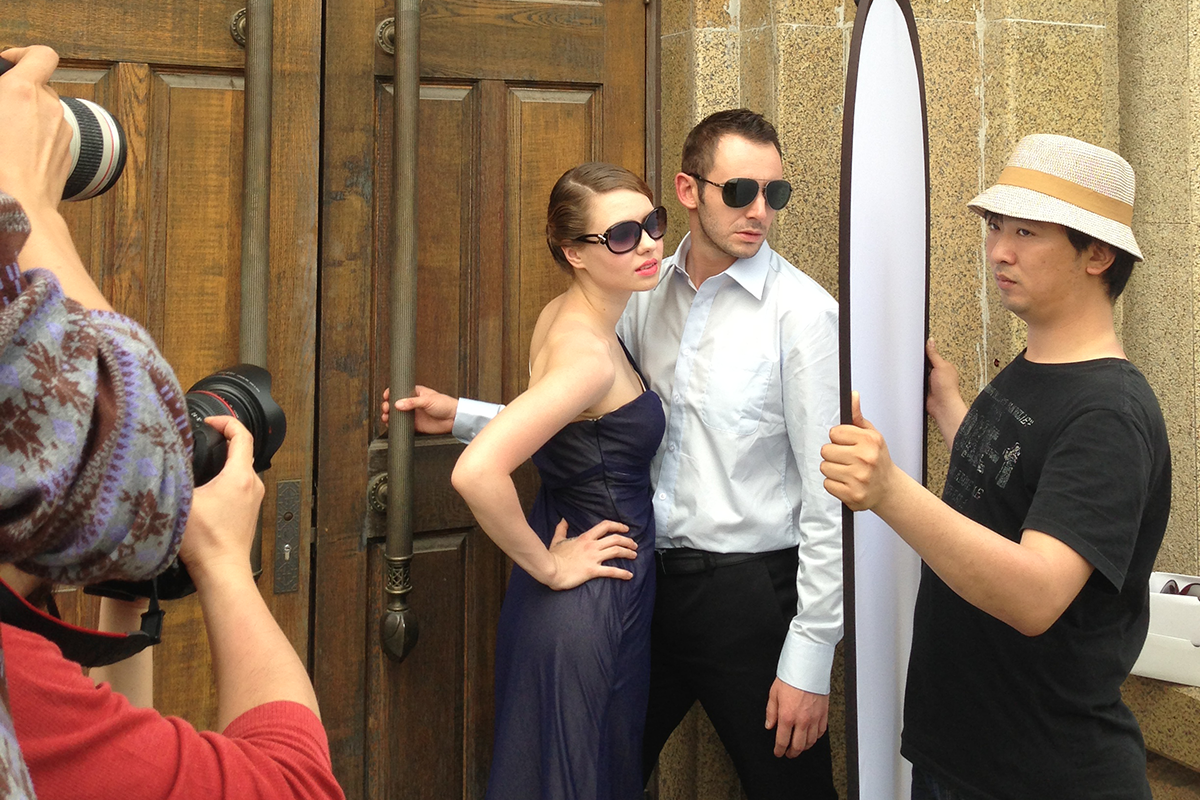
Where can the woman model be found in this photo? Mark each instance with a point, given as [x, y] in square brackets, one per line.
[573, 641]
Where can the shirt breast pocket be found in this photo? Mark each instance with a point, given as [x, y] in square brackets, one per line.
[737, 390]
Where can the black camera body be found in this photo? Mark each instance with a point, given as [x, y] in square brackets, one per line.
[243, 392]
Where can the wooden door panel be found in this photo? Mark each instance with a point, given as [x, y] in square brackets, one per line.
[512, 94]
[193, 32]
[89, 220]
[507, 39]
[167, 236]
[133, 280]
[167, 242]
[447, 243]
[201, 237]
[196, 280]
[164, 244]
[421, 700]
[550, 131]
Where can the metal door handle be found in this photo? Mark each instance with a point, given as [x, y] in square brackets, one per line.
[398, 627]
[252, 28]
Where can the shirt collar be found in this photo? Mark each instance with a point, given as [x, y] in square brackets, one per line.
[749, 273]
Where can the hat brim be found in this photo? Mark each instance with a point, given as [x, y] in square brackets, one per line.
[1022, 203]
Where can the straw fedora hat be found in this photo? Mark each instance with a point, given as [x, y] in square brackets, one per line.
[1058, 179]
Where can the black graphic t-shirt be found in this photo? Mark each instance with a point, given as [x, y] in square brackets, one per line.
[1079, 452]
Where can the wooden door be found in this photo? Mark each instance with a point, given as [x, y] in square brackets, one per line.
[512, 94]
[164, 244]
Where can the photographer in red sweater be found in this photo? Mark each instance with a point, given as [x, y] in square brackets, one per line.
[95, 484]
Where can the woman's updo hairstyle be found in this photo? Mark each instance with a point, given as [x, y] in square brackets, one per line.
[570, 203]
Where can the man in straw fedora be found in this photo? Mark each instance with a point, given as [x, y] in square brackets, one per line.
[1033, 604]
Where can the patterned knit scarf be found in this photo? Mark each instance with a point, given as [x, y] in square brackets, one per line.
[95, 449]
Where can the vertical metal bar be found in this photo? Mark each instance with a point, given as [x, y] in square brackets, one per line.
[654, 99]
[256, 199]
[398, 627]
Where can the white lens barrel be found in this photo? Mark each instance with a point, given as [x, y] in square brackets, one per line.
[97, 149]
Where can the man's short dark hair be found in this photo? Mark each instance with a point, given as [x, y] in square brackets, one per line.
[1117, 274]
[701, 144]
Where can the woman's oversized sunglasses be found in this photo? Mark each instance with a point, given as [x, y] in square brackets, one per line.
[740, 192]
[624, 236]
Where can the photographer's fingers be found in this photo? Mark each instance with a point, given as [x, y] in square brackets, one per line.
[237, 480]
[241, 441]
[224, 510]
[35, 64]
[35, 139]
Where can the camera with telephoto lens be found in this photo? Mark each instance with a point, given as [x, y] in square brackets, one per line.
[242, 392]
[98, 146]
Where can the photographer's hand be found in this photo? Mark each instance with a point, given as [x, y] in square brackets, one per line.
[35, 160]
[224, 512]
[253, 661]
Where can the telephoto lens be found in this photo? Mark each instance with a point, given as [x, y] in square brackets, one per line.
[98, 146]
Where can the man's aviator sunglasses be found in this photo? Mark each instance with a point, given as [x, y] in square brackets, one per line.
[624, 236]
[740, 192]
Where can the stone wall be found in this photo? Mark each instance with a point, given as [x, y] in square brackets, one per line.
[1114, 72]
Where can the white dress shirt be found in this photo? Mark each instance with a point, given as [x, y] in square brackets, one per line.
[747, 369]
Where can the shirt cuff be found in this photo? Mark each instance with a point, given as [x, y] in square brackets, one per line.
[471, 416]
[805, 664]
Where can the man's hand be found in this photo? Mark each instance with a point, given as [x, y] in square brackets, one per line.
[224, 514]
[434, 411]
[798, 717]
[857, 466]
[944, 402]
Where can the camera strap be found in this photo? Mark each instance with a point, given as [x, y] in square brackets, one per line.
[85, 647]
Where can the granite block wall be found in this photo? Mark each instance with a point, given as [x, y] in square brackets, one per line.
[1118, 73]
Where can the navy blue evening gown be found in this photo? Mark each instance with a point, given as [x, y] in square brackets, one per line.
[573, 667]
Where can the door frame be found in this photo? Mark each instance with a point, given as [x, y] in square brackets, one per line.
[340, 626]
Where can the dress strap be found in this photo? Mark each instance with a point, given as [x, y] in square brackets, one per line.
[636, 368]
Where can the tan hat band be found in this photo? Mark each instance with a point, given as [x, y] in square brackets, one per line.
[1069, 192]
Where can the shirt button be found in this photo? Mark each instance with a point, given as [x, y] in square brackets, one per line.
[662, 495]
[671, 447]
[675, 398]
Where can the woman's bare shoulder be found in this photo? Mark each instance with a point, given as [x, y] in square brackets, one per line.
[572, 349]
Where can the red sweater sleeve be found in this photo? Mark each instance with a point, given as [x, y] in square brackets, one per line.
[81, 740]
